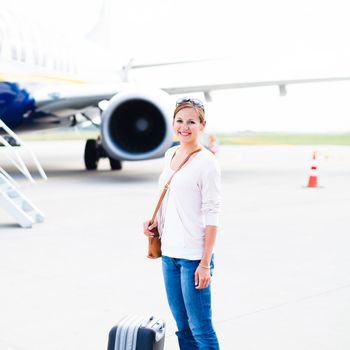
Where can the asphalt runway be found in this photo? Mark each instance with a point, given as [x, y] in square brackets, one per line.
[282, 274]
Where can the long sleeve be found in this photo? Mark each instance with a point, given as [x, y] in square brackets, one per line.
[211, 181]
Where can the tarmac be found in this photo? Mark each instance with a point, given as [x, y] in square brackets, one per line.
[282, 262]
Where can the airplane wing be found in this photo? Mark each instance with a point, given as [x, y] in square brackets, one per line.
[248, 84]
[69, 99]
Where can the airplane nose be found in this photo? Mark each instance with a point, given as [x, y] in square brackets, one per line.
[15, 104]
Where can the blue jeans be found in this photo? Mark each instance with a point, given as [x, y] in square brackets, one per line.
[190, 307]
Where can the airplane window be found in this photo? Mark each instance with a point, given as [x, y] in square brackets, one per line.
[14, 53]
[23, 55]
[41, 57]
[44, 59]
[21, 43]
[59, 64]
[36, 56]
[2, 37]
[4, 49]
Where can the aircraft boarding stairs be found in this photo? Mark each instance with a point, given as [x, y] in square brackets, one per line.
[11, 198]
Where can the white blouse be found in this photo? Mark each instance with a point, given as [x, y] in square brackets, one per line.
[192, 202]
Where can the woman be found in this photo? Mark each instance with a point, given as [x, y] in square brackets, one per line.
[187, 222]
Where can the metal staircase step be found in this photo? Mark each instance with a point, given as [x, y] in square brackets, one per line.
[26, 206]
[11, 199]
[25, 213]
[12, 193]
[39, 218]
[21, 217]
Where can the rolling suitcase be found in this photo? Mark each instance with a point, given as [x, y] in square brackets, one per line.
[137, 333]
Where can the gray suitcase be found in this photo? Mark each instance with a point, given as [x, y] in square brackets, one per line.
[137, 333]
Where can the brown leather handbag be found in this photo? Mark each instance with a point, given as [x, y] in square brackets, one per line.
[154, 242]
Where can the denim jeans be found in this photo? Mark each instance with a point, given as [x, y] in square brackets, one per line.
[190, 307]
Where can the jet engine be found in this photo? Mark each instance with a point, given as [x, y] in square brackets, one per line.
[136, 125]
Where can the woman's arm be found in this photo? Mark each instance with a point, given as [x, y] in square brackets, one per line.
[202, 274]
[209, 241]
[210, 190]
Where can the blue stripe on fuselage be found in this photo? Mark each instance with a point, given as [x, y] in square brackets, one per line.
[15, 104]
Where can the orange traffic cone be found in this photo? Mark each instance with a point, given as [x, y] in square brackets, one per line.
[313, 173]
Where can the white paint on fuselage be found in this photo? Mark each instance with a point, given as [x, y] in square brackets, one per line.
[29, 52]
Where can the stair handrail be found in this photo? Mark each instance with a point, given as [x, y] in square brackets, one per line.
[21, 165]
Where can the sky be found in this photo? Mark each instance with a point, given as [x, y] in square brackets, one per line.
[253, 40]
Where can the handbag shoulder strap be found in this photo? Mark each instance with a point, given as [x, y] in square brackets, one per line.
[168, 183]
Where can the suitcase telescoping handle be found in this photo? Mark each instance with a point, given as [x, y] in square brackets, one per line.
[159, 328]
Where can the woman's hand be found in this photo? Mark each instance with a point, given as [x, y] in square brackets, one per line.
[147, 227]
[202, 277]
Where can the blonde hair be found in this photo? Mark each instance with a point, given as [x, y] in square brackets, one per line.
[200, 111]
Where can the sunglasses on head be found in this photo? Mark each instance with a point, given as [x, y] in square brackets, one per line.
[194, 102]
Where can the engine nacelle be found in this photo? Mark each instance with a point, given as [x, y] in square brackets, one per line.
[137, 124]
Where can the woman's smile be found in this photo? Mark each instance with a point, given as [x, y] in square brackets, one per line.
[184, 133]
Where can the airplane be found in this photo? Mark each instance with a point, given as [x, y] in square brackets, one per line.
[46, 83]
